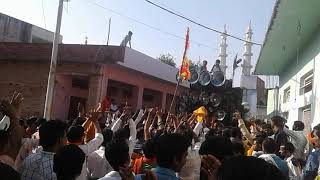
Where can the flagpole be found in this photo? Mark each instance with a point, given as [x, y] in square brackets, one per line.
[172, 101]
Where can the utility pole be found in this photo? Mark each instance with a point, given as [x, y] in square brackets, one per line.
[53, 65]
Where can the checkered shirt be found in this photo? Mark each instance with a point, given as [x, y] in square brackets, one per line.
[38, 166]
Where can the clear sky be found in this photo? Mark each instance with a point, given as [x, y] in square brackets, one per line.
[83, 18]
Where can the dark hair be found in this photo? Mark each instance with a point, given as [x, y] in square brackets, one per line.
[316, 130]
[140, 134]
[149, 149]
[117, 154]
[107, 135]
[298, 126]
[4, 139]
[278, 121]
[260, 137]
[51, 132]
[188, 134]
[226, 133]
[289, 147]
[8, 173]
[237, 148]
[31, 121]
[40, 121]
[75, 133]
[170, 147]
[121, 134]
[78, 121]
[239, 168]
[269, 146]
[68, 162]
[211, 133]
[236, 133]
[218, 146]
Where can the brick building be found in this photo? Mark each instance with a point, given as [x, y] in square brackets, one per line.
[85, 73]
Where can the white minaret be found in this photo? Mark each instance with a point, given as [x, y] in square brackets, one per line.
[246, 66]
[223, 51]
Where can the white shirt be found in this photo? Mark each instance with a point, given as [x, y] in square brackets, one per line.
[133, 130]
[293, 170]
[113, 175]
[98, 166]
[88, 148]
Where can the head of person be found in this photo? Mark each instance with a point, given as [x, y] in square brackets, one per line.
[78, 121]
[130, 33]
[122, 135]
[238, 149]
[236, 133]
[316, 136]
[298, 126]
[287, 150]
[117, 154]
[31, 123]
[75, 135]
[52, 135]
[211, 133]
[68, 162]
[226, 133]
[40, 121]
[140, 134]
[188, 134]
[218, 146]
[269, 146]
[107, 136]
[267, 129]
[149, 149]
[204, 63]
[248, 168]
[277, 123]
[7, 172]
[258, 140]
[172, 151]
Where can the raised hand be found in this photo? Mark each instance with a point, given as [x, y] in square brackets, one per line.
[210, 166]
[16, 102]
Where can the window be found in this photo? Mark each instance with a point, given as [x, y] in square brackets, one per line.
[148, 98]
[306, 117]
[127, 93]
[306, 83]
[112, 91]
[286, 95]
[81, 83]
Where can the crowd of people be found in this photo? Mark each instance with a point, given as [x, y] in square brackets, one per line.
[151, 144]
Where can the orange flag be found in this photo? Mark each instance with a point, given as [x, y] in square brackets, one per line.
[184, 70]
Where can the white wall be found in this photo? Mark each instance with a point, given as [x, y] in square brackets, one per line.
[148, 65]
[296, 100]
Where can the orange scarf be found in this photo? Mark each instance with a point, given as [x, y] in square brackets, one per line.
[139, 162]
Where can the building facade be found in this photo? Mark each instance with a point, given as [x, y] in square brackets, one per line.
[86, 74]
[291, 50]
[15, 30]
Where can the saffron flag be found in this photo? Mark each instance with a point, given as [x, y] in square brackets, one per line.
[184, 70]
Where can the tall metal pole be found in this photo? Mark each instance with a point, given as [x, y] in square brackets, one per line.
[52, 71]
[109, 31]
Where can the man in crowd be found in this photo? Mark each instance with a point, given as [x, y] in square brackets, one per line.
[117, 154]
[269, 147]
[39, 166]
[280, 137]
[68, 162]
[299, 140]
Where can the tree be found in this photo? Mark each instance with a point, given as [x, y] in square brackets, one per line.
[168, 59]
